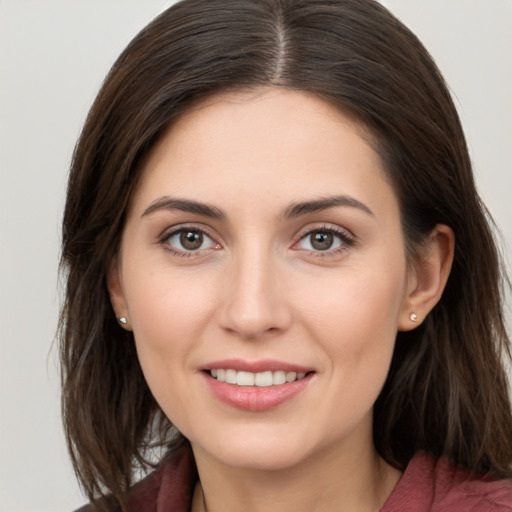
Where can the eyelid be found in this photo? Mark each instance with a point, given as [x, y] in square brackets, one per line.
[347, 238]
[169, 232]
[324, 226]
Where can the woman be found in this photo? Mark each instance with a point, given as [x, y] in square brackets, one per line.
[281, 281]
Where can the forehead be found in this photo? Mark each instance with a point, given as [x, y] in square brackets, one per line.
[258, 115]
[269, 142]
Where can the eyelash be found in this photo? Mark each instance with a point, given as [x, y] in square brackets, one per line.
[167, 236]
[346, 241]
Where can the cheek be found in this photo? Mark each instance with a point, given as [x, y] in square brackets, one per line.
[168, 311]
[168, 316]
[163, 301]
[355, 317]
[354, 298]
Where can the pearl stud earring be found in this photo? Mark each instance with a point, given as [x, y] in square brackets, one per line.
[413, 317]
[122, 320]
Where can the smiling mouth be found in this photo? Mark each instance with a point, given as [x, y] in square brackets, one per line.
[259, 379]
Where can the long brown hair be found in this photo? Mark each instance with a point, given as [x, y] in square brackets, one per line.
[446, 392]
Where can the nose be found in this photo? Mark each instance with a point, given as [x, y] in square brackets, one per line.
[254, 300]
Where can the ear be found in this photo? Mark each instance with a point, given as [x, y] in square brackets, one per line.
[428, 277]
[117, 299]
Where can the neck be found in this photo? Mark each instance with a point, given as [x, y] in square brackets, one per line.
[355, 481]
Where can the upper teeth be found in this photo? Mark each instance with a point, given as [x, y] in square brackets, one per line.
[260, 379]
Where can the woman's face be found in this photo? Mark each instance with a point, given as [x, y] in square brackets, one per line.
[264, 246]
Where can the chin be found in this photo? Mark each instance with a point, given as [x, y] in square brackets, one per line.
[260, 458]
[248, 450]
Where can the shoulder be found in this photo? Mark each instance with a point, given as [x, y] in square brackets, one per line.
[171, 483]
[430, 484]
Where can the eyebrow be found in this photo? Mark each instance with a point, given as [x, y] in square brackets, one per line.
[184, 205]
[295, 209]
[305, 207]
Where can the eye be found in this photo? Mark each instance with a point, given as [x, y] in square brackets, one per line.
[186, 240]
[324, 240]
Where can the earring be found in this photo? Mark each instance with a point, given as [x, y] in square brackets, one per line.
[122, 320]
[413, 317]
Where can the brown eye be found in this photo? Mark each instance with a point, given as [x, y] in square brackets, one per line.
[191, 240]
[324, 240]
[321, 240]
[188, 240]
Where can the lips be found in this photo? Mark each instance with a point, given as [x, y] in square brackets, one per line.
[256, 386]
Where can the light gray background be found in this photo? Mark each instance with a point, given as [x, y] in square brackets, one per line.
[53, 57]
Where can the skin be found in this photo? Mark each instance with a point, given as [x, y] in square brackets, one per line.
[257, 288]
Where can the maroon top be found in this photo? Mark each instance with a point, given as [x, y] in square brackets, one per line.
[428, 485]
